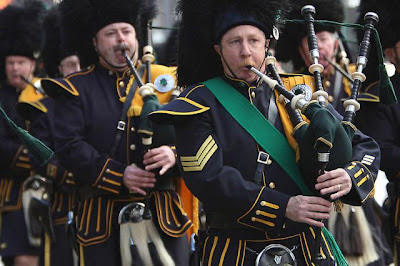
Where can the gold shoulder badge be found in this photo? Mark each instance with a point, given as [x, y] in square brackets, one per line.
[197, 162]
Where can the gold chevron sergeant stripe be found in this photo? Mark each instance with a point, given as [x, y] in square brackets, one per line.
[203, 163]
[203, 154]
[197, 162]
[202, 147]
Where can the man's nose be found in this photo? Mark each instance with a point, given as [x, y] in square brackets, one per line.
[245, 52]
[14, 67]
[319, 43]
[120, 37]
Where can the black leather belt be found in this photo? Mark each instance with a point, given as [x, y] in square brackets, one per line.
[87, 191]
[222, 221]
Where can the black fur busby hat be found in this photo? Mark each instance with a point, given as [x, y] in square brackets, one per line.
[82, 19]
[20, 30]
[53, 49]
[203, 24]
[389, 19]
[294, 32]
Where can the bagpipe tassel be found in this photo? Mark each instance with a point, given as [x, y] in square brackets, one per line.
[39, 151]
[354, 234]
[342, 234]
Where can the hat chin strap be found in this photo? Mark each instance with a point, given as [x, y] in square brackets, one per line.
[226, 63]
[233, 73]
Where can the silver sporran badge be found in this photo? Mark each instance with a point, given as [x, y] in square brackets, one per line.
[276, 254]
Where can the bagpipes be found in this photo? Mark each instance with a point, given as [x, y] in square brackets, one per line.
[325, 143]
[137, 228]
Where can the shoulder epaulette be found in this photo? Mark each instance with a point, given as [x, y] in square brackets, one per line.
[370, 94]
[28, 109]
[85, 71]
[57, 87]
[179, 108]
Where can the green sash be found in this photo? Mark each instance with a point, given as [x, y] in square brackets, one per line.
[265, 134]
[269, 138]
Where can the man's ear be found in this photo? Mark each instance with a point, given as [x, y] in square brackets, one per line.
[267, 41]
[217, 49]
[302, 53]
[389, 53]
[95, 44]
[336, 46]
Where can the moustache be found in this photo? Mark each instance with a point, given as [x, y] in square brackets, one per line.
[121, 47]
[247, 62]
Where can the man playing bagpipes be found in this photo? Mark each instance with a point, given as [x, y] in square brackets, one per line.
[53, 187]
[368, 244]
[19, 47]
[240, 170]
[383, 122]
[98, 130]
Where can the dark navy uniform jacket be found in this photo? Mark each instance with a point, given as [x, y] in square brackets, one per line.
[387, 120]
[15, 165]
[41, 117]
[88, 108]
[219, 161]
[383, 124]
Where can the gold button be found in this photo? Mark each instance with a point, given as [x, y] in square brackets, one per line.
[132, 129]
[128, 73]
[330, 98]
[263, 203]
[271, 185]
[121, 84]
[132, 147]
[104, 178]
[258, 212]
[3, 245]
[327, 84]
[110, 73]
[269, 161]
[25, 151]
[107, 170]
[45, 196]
[253, 219]
[253, 94]
[70, 174]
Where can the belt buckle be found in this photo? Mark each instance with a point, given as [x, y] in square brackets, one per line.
[121, 125]
[262, 157]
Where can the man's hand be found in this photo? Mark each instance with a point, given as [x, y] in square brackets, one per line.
[135, 179]
[162, 157]
[309, 210]
[336, 182]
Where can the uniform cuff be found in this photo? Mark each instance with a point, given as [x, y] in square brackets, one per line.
[362, 179]
[268, 211]
[110, 177]
[21, 159]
